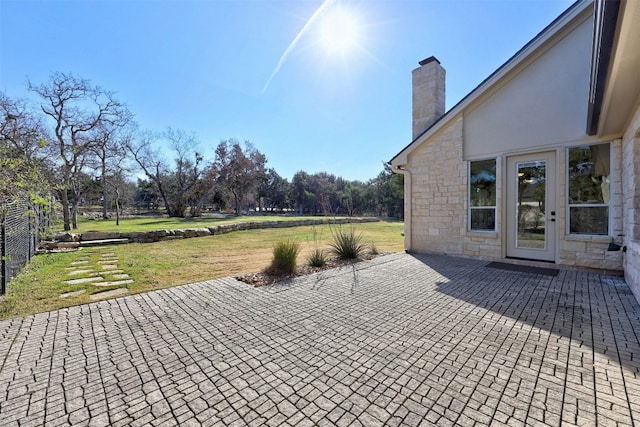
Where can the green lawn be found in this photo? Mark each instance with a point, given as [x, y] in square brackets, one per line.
[176, 262]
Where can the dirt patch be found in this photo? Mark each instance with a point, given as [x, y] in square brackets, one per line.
[264, 278]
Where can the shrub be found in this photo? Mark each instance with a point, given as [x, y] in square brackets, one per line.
[284, 257]
[317, 258]
[346, 244]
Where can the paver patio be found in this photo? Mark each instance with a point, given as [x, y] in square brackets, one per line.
[399, 340]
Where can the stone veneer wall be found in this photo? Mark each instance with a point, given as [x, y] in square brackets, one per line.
[439, 199]
[428, 84]
[439, 211]
[591, 251]
[631, 212]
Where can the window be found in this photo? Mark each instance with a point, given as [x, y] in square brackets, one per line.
[482, 195]
[589, 189]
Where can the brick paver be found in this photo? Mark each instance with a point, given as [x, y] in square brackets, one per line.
[400, 340]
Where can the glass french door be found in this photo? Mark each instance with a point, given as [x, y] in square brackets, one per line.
[531, 211]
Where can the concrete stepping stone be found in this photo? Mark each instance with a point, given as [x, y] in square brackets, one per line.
[109, 266]
[73, 294]
[110, 254]
[76, 272]
[121, 276]
[79, 262]
[111, 272]
[108, 294]
[107, 261]
[84, 280]
[113, 283]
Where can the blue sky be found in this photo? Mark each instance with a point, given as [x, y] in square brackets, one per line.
[207, 66]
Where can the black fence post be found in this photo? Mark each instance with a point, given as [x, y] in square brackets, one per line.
[3, 256]
[33, 231]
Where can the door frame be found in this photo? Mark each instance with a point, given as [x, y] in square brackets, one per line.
[549, 252]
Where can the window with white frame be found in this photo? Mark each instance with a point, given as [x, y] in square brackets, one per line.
[482, 195]
[589, 188]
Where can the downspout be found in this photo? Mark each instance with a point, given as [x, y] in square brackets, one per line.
[407, 198]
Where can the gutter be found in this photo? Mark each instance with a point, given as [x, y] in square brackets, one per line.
[401, 169]
[604, 29]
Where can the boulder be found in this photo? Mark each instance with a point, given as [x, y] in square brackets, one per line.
[99, 235]
[201, 232]
[66, 237]
[143, 239]
[190, 232]
[62, 245]
[158, 235]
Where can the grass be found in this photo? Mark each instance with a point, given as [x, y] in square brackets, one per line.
[166, 223]
[176, 262]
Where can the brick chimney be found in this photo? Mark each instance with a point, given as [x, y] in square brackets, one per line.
[428, 94]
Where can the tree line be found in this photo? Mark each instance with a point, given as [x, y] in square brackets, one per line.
[80, 143]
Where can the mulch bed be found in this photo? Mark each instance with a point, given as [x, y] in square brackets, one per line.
[265, 278]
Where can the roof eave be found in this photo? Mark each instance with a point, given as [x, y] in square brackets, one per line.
[604, 29]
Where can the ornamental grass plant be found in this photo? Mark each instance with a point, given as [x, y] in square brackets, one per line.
[346, 243]
[318, 258]
[285, 253]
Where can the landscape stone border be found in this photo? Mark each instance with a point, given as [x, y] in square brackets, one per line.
[72, 240]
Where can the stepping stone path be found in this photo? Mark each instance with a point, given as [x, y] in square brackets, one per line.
[72, 294]
[103, 272]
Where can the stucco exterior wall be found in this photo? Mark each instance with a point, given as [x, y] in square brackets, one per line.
[539, 106]
[631, 203]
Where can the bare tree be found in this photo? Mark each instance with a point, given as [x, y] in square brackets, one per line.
[239, 169]
[144, 149]
[110, 151]
[206, 188]
[175, 184]
[118, 183]
[79, 183]
[76, 109]
[187, 168]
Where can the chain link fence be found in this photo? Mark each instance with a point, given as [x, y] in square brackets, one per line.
[20, 225]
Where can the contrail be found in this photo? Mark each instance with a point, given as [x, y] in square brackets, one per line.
[295, 41]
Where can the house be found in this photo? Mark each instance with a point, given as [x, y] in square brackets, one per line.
[540, 162]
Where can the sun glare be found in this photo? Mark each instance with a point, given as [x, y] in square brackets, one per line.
[339, 31]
